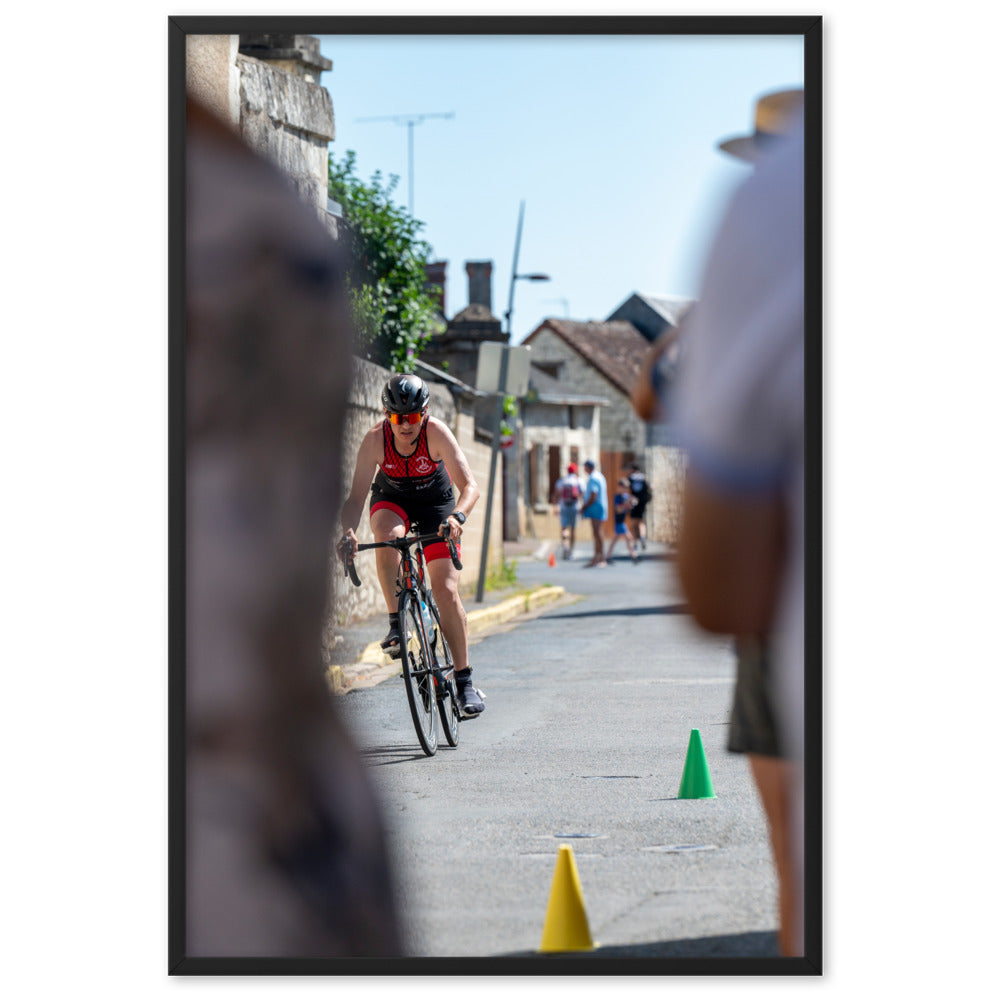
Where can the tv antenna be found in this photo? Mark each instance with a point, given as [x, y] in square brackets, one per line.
[409, 121]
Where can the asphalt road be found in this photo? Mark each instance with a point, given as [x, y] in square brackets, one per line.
[590, 707]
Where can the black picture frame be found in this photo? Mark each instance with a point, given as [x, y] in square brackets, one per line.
[810, 29]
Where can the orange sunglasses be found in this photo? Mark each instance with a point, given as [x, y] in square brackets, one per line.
[406, 418]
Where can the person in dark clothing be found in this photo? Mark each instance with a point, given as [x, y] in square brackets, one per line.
[642, 493]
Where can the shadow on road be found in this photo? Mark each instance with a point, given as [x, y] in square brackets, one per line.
[378, 756]
[754, 944]
[660, 609]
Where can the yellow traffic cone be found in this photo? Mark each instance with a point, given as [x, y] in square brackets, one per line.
[566, 927]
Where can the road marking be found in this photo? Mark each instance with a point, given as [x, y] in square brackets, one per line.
[678, 680]
[550, 856]
[679, 848]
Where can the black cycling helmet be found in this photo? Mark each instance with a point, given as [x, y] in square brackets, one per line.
[405, 394]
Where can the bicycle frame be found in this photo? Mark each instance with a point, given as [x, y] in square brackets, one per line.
[410, 576]
[419, 663]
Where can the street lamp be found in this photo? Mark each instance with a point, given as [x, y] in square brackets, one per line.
[515, 277]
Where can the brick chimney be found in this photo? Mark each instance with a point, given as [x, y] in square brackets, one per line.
[435, 271]
[480, 274]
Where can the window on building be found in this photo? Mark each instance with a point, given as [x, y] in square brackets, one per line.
[554, 470]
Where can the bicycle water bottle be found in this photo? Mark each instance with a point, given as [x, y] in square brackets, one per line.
[428, 621]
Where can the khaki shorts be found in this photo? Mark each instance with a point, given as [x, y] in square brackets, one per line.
[752, 725]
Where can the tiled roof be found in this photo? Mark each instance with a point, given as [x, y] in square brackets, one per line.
[615, 348]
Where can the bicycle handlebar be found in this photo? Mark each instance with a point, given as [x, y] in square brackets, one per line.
[402, 544]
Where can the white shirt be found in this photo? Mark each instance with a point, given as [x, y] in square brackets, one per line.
[740, 399]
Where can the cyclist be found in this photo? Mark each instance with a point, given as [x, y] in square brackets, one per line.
[414, 459]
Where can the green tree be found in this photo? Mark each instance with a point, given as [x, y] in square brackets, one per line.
[394, 310]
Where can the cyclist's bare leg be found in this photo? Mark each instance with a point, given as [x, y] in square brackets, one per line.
[386, 525]
[444, 583]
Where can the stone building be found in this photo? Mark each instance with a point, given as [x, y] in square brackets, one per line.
[603, 361]
[558, 426]
[599, 359]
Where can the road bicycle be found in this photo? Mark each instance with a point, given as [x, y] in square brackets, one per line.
[428, 668]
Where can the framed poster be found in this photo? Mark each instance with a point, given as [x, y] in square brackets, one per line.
[606, 814]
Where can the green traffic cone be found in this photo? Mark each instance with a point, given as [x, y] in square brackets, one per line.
[696, 782]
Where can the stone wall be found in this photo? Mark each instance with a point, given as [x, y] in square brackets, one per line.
[665, 468]
[349, 603]
[210, 73]
[289, 120]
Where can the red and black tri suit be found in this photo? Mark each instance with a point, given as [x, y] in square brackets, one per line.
[415, 487]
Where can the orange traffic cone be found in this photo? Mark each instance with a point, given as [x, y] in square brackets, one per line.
[552, 559]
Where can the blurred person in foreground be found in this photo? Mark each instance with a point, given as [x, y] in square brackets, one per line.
[285, 845]
[740, 414]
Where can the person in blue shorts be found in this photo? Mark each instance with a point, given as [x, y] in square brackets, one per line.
[566, 494]
[594, 507]
[624, 501]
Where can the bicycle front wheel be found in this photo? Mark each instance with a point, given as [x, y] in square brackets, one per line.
[447, 698]
[418, 673]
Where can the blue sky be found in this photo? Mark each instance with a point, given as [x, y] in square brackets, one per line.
[609, 140]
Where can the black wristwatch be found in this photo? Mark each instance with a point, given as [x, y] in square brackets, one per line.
[458, 515]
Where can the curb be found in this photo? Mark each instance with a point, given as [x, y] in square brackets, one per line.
[375, 665]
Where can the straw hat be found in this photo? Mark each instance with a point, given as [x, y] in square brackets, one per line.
[773, 117]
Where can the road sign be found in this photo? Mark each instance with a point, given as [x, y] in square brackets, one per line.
[488, 369]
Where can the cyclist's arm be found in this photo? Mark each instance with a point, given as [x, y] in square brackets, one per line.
[369, 456]
[442, 445]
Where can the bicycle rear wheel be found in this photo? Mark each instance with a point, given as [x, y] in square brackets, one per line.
[417, 673]
[447, 696]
